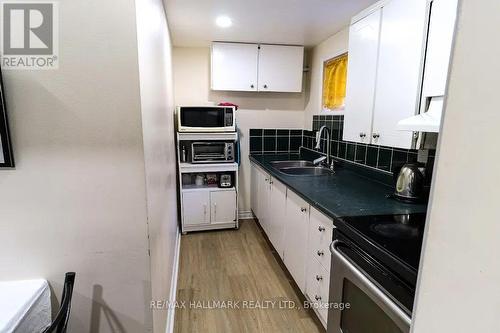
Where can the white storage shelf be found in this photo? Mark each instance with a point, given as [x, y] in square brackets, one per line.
[207, 206]
[193, 188]
[204, 168]
[193, 136]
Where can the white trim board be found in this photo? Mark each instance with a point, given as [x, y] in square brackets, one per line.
[245, 214]
[173, 284]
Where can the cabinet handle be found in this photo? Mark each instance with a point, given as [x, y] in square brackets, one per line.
[265, 86]
[318, 298]
[376, 135]
[320, 253]
[271, 182]
[319, 278]
[266, 180]
[215, 211]
[362, 135]
[303, 209]
[321, 228]
[252, 86]
[205, 210]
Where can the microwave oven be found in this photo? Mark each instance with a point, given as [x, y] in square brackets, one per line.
[212, 152]
[206, 119]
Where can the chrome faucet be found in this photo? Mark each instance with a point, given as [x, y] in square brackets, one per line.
[318, 146]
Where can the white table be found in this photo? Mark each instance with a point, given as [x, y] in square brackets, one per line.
[24, 306]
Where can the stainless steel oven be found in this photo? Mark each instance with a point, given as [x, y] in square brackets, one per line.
[368, 307]
[206, 118]
[212, 152]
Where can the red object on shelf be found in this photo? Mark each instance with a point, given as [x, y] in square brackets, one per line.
[229, 104]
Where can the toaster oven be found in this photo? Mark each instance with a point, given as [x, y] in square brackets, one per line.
[212, 152]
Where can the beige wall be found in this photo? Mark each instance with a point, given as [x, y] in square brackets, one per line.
[155, 69]
[459, 289]
[76, 200]
[257, 110]
[330, 48]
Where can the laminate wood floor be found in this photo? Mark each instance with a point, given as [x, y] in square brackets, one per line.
[238, 266]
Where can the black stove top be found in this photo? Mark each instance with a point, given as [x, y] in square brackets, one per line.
[396, 240]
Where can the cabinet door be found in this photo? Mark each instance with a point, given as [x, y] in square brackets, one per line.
[254, 189]
[281, 68]
[297, 216]
[264, 201]
[361, 78]
[439, 43]
[195, 207]
[318, 287]
[277, 215]
[234, 66]
[222, 206]
[320, 237]
[397, 92]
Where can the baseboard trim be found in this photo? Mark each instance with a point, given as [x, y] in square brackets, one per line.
[245, 214]
[173, 284]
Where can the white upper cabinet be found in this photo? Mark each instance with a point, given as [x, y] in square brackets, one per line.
[400, 66]
[384, 83]
[440, 40]
[361, 76]
[234, 66]
[250, 67]
[280, 68]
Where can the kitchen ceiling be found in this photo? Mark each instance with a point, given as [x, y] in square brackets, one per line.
[301, 22]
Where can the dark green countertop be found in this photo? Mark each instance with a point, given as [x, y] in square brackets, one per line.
[346, 193]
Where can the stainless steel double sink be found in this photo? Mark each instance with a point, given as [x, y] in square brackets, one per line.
[300, 168]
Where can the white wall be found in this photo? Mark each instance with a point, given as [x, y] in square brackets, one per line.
[459, 283]
[257, 110]
[155, 70]
[328, 49]
[77, 199]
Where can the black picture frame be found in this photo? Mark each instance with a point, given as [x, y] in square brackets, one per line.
[6, 153]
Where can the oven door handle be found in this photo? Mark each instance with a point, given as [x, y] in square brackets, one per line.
[395, 311]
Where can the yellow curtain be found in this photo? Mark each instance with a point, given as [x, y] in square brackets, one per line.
[334, 82]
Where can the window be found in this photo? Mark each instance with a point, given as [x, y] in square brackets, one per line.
[334, 83]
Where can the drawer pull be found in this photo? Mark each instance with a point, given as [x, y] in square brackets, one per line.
[320, 253]
[318, 298]
[319, 278]
[321, 228]
[303, 209]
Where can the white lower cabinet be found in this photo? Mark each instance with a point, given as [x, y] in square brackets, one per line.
[277, 215]
[260, 195]
[268, 204]
[222, 205]
[297, 216]
[264, 192]
[319, 261]
[254, 189]
[318, 288]
[208, 206]
[196, 208]
[300, 234]
[320, 237]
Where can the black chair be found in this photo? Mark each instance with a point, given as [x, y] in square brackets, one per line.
[61, 320]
